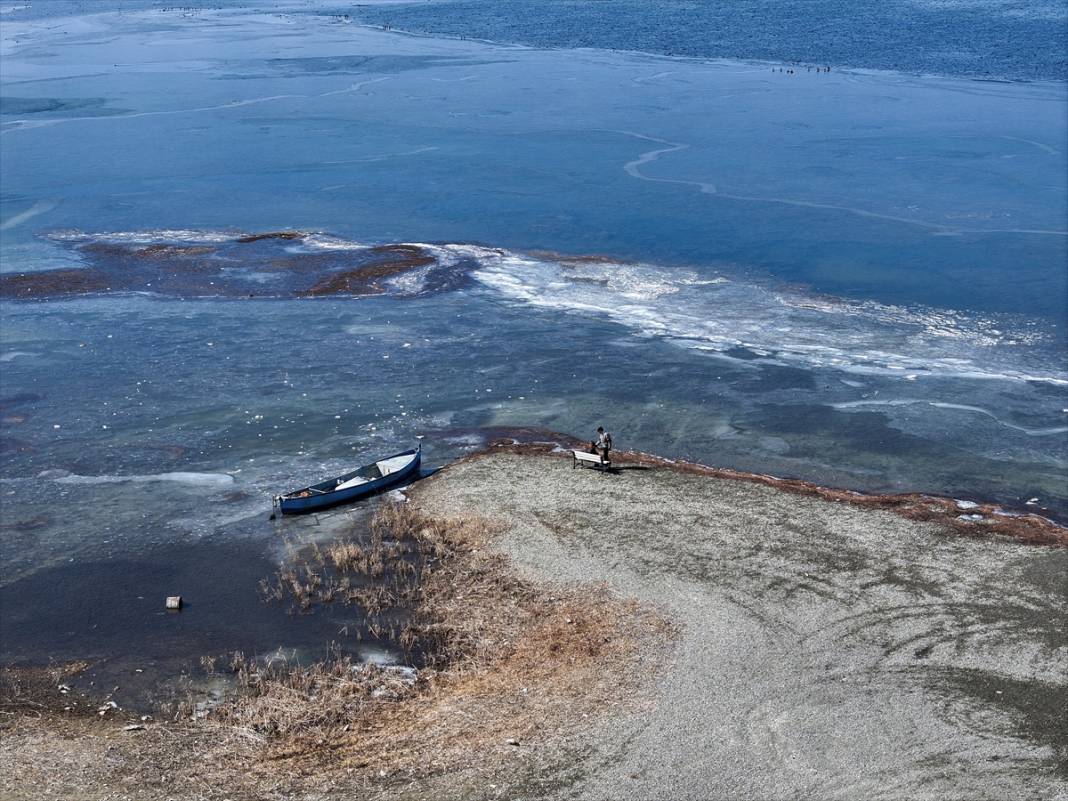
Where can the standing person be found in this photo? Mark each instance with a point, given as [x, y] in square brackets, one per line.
[603, 442]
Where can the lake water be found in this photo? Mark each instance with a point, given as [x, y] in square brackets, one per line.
[852, 277]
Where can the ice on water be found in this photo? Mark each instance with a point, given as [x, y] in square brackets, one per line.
[854, 278]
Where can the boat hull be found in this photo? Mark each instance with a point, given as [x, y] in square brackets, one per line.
[328, 500]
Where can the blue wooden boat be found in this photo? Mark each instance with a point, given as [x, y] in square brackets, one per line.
[360, 483]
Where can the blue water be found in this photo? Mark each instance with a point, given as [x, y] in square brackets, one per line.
[1002, 39]
[854, 278]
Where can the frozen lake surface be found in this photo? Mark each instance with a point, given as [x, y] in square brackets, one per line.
[999, 39]
[851, 277]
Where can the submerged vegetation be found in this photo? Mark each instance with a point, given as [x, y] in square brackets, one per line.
[502, 659]
[497, 663]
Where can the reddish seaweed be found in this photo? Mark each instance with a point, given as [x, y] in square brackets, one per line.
[245, 240]
[55, 284]
[255, 265]
[366, 280]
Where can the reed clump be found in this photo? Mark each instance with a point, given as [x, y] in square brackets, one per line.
[503, 660]
[378, 572]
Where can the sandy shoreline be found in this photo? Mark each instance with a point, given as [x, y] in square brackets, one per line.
[824, 646]
[827, 650]
[977, 518]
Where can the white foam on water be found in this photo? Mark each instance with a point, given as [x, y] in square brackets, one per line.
[56, 473]
[466, 440]
[409, 283]
[194, 479]
[776, 325]
[719, 315]
[320, 241]
[412, 282]
[149, 237]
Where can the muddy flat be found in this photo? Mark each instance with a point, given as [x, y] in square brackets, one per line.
[825, 650]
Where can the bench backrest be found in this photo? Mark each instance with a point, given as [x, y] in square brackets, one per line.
[589, 457]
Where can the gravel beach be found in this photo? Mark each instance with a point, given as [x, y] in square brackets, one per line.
[826, 650]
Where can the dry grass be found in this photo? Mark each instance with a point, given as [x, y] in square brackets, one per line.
[506, 662]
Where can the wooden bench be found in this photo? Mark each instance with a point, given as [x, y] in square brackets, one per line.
[594, 459]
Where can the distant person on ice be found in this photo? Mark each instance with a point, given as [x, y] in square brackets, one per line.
[603, 443]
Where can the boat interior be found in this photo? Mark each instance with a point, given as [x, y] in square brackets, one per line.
[363, 475]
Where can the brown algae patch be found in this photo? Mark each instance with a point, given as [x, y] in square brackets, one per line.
[55, 284]
[278, 264]
[506, 661]
[284, 235]
[367, 280]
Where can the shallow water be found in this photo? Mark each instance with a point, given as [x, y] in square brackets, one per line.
[851, 278]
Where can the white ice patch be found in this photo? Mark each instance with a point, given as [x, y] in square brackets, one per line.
[378, 656]
[150, 237]
[320, 241]
[195, 479]
[466, 440]
[775, 325]
[409, 283]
